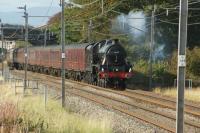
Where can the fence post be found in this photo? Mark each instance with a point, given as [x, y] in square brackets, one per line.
[32, 86]
[28, 83]
[45, 96]
[190, 83]
[175, 82]
[37, 84]
[15, 87]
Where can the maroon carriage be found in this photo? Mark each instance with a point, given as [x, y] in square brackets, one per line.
[103, 63]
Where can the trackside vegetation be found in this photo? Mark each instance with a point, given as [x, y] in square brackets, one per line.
[164, 70]
[192, 95]
[22, 114]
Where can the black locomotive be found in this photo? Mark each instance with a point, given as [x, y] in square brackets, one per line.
[102, 63]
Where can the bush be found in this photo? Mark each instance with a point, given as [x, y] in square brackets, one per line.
[193, 61]
[136, 53]
[160, 74]
[22, 44]
[25, 117]
[9, 117]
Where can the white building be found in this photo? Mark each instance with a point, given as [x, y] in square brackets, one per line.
[8, 44]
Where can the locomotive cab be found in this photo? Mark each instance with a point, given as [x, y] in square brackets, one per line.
[113, 69]
[113, 57]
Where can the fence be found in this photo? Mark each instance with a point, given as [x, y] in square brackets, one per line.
[188, 83]
[35, 87]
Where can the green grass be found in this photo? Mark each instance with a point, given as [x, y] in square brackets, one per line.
[193, 94]
[31, 113]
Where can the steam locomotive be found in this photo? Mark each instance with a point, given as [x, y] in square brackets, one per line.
[102, 63]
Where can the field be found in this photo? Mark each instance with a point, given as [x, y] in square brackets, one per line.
[193, 94]
[21, 114]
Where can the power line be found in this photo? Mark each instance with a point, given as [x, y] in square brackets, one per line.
[173, 23]
[198, 23]
[99, 15]
[82, 13]
[94, 17]
[49, 8]
[13, 34]
[177, 7]
[88, 4]
[104, 34]
[167, 22]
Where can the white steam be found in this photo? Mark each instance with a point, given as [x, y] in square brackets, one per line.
[135, 26]
[132, 24]
[158, 52]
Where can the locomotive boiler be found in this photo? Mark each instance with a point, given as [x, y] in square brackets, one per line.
[102, 63]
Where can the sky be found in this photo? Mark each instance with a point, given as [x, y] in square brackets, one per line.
[10, 14]
[11, 5]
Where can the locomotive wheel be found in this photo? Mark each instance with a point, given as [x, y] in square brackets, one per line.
[78, 78]
[122, 85]
[105, 83]
[93, 80]
[47, 72]
[98, 82]
[58, 73]
[101, 83]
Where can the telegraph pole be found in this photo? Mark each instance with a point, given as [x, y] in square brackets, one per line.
[2, 53]
[45, 37]
[90, 31]
[151, 48]
[63, 51]
[182, 42]
[102, 6]
[26, 49]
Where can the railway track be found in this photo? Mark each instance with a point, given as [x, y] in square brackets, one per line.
[190, 104]
[152, 98]
[148, 97]
[96, 97]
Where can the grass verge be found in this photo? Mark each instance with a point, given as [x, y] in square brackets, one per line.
[19, 114]
[193, 94]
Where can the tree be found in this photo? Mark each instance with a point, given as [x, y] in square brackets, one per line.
[166, 28]
[22, 44]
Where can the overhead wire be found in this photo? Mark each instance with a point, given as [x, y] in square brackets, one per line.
[80, 14]
[13, 34]
[163, 21]
[49, 8]
[91, 18]
[94, 17]
[102, 14]
[113, 35]
[111, 9]
[88, 4]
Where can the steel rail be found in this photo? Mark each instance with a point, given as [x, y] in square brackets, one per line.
[162, 97]
[188, 122]
[132, 96]
[113, 106]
